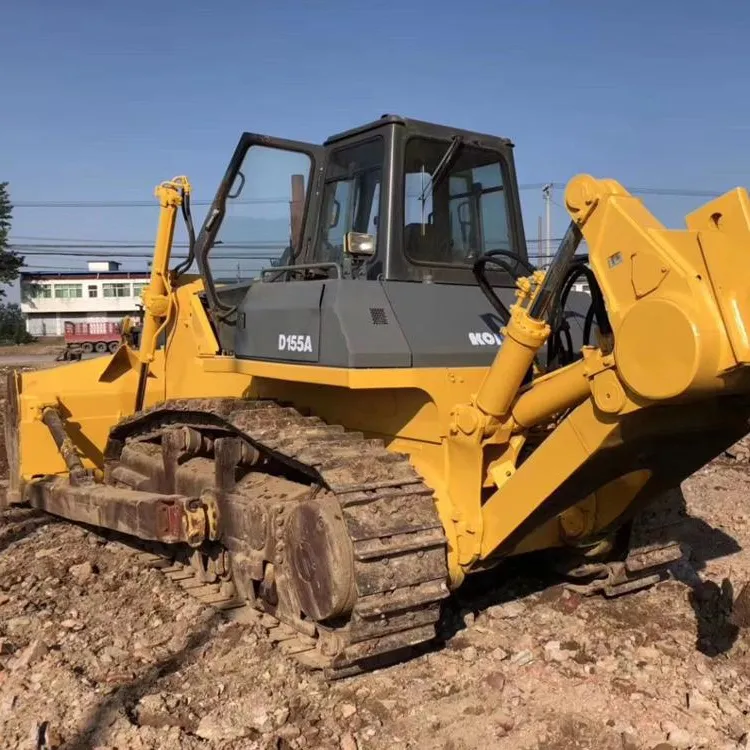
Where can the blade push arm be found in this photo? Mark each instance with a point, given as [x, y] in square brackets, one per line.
[679, 307]
[156, 296]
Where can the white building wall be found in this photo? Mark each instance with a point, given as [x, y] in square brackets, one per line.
[88, 306]
[46, 310]
[42, 325]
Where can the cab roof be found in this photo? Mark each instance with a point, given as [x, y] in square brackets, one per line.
[422, 126]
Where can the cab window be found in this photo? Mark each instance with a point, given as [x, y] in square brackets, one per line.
[261, 226]
[351, 197]
[463, 213]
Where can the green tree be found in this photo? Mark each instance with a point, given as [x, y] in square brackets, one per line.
[10, 262]
[12, 325]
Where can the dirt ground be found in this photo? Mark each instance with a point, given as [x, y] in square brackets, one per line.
[98, 652]
[48, 345]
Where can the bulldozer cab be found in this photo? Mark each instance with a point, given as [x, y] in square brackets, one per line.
[395, 199]
[393, 202]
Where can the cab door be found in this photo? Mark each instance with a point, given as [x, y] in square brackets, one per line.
[263, 216]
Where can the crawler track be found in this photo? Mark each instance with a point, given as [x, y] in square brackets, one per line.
[319, 535]
[395, 536]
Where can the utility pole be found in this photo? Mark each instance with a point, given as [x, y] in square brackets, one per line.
[539, 244]
[547, 194]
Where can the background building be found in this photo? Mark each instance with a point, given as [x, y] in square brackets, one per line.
[101, 294]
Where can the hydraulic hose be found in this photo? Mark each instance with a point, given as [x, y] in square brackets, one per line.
[597, 311]
[498, 258]
[188, 218]
[557, 271]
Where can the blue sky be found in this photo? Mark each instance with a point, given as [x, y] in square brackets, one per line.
[103, 100]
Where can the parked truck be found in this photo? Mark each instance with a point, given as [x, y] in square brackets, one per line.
[93, 337]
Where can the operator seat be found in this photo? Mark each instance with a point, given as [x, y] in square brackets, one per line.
[424, 243]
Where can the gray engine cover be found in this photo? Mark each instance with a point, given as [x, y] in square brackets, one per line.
[369, 324]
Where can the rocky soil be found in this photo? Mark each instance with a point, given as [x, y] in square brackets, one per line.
[98, 652]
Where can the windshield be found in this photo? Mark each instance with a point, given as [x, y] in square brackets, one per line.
[263, 214]
[453, 217]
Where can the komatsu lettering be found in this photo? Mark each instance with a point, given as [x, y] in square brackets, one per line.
[294, 342]
[485, 338]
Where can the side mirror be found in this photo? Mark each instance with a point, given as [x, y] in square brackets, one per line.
[358, 244]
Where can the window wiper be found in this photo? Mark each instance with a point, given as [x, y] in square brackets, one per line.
[445, 163]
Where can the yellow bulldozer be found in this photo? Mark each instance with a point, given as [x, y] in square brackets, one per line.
[399, 399]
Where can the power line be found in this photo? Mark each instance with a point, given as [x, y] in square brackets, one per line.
[148, 256]
[62, 251]
[193, 201]
[55, 247]
[213, 257]
[135, 204]
[42, 270]
[84, 242]
[81, 240]
[81, 244]
[665, 191]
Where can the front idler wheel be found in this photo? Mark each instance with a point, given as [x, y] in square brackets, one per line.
[320, 559]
